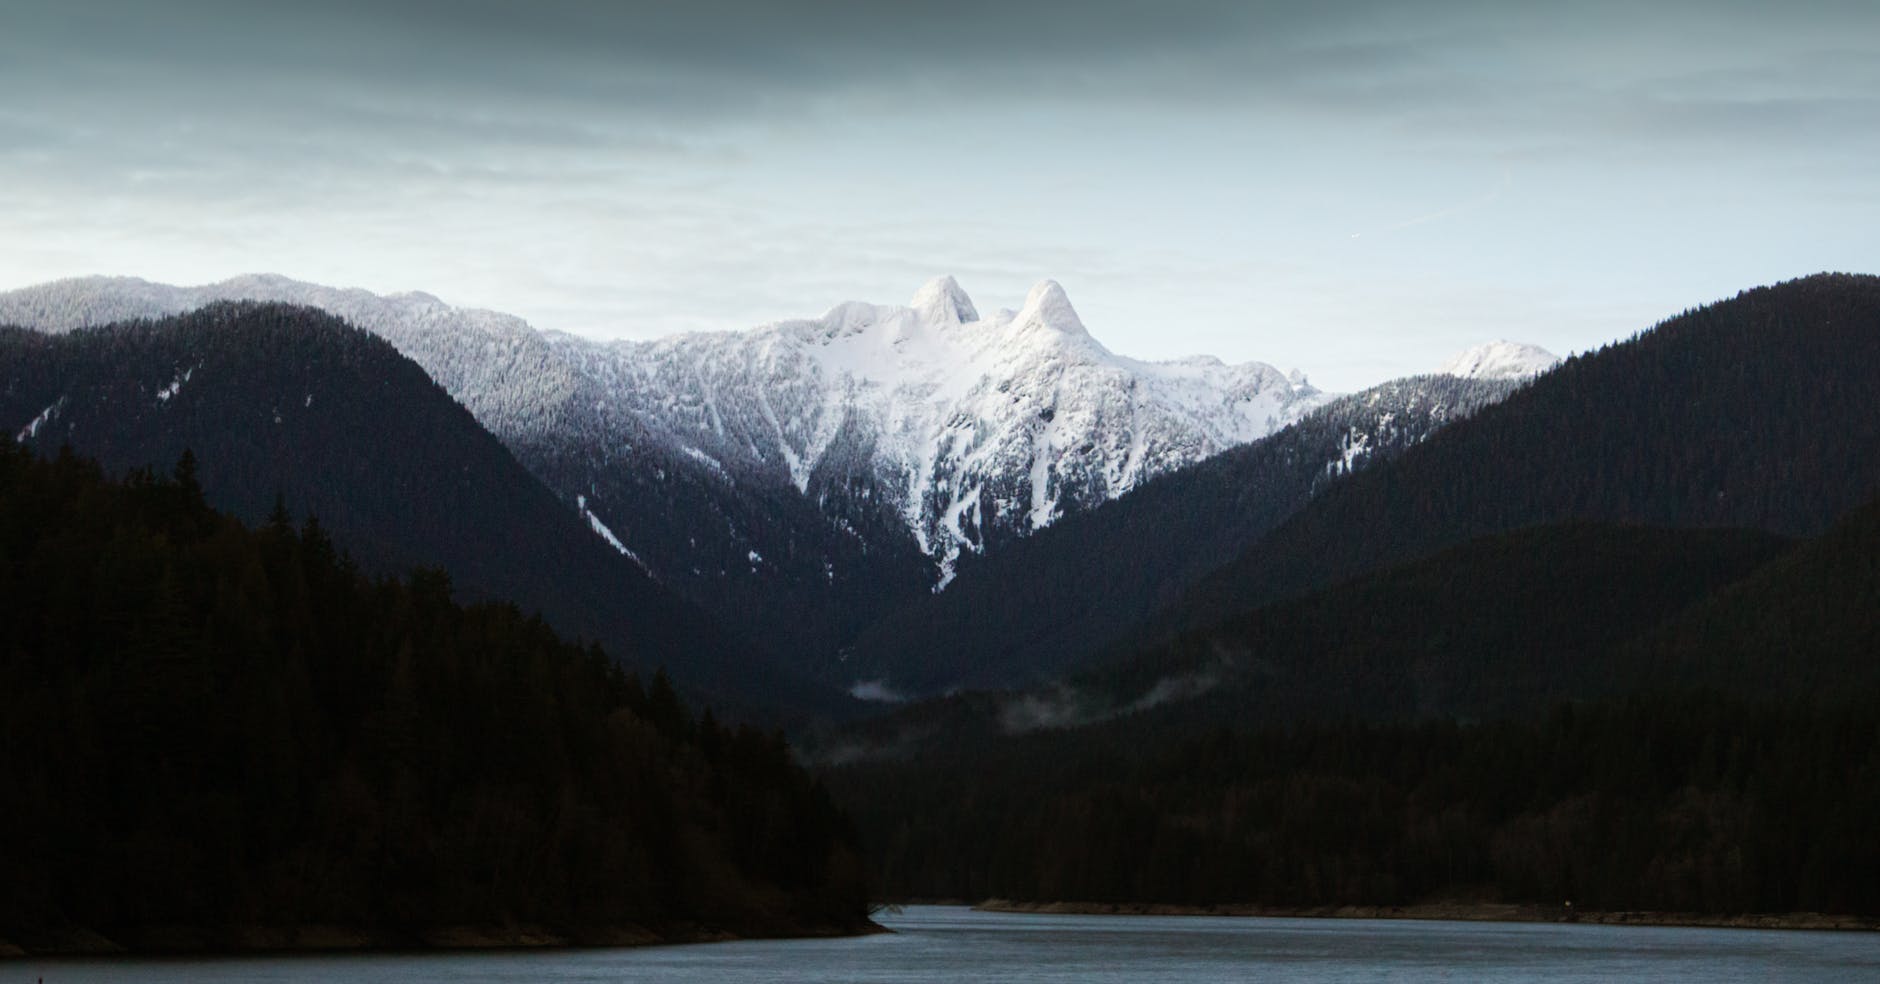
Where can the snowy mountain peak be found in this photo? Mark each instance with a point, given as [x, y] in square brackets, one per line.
[1047, 306]
[1500, 359]
[959, 432]
[942, 302]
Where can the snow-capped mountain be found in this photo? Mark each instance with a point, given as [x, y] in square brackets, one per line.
[1500, 359]
[965, 431]
[1071, 593]
[972, 430]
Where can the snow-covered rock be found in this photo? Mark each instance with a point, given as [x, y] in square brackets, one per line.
[972, 430]
[1500, 359]
[975, 429]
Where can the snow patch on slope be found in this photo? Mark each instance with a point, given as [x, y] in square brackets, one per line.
[167, 393]
[600, 529]
[42, 419]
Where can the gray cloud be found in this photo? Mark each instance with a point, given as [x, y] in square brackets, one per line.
[482, 77]
[755, 57]
[632, 168]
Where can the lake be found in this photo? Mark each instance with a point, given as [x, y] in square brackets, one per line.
[957, 945]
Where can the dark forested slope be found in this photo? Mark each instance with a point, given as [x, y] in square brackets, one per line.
[1504, 625]
[1808, 623]
[1754, 412]
[813, 583]
[285, 401]
[1501, 626]
[1688, 804]
[1711, 745]
[213, 737]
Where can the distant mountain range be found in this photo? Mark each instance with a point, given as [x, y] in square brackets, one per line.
[802, 480]
[966, 431]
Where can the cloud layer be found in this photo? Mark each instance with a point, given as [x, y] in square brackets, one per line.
[1356, 188]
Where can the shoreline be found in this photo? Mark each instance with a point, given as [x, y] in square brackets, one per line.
[256, 941]
[1451, 912]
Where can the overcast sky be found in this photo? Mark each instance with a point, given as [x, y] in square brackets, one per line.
[1353, 189]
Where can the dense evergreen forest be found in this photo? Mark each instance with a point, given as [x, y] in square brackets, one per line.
[1679, 804]
[1627, 717]
[1752, 412]
[209, 732]
[1500, 626]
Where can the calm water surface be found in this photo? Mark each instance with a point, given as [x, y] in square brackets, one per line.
[956, 945]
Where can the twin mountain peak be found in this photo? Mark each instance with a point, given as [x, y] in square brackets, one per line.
[925, 421]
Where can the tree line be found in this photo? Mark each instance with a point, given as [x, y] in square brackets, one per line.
[1682, 803]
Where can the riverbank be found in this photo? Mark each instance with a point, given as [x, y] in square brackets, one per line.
[1451, 911]
[196, 941]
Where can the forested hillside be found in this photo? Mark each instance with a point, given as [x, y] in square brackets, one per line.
[1806, 624]
[1753, 412]
[1625, 717]
[1696, 804]
[1501, 626]
[213, 737]
[291, 402]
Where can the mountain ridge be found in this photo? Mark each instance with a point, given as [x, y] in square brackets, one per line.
[1217, 405]
[803, 479]
[1750, 412]
[1062, 596]
[293, 405]
[774, 476]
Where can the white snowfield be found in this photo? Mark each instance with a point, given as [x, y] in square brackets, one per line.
[1500, 360]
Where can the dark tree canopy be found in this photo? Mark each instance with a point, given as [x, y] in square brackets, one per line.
[217, 728]
[1753, 412]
